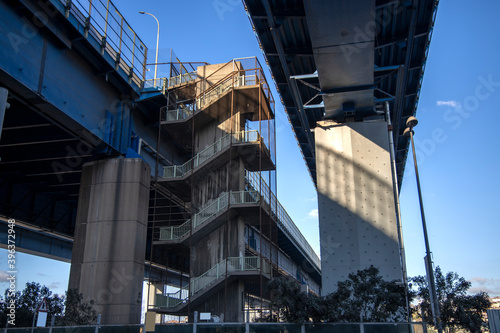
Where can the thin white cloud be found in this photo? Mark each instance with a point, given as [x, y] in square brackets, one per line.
[490, 286]
[3, 276]
[54, 285]
[313, 213]
[453, 104]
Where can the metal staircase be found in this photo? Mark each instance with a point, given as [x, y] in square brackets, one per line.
[209, 96]
[199, 285]
[208, 214]
[179, 171]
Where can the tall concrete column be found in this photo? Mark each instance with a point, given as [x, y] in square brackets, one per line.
[357, 218]
[107, 265]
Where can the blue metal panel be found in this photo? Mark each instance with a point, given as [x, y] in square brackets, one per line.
[31, 241]
[20, 47]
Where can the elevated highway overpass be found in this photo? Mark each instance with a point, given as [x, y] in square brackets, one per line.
[349, 75]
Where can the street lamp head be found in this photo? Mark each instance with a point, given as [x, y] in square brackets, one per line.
[411, 122]
[141, 12]
[407, 132]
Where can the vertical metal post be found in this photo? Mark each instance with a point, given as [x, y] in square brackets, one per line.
[52, 323]
[106, 23]
[261, 280]
[35, 311]
[121, 33]
[96, 330]
[4, 93]
[395, 189]
[133, 48]
[428, 259]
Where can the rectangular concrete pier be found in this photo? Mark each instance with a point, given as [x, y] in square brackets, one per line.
[110, 238]
[357, 217]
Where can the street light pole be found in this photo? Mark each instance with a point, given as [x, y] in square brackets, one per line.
[157, 43]
[412, 122]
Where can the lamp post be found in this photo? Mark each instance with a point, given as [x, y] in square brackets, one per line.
[408, 132]
[157, 42]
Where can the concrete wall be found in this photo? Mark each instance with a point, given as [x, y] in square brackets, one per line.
[356, 205]
[213, 131]
[212, 74]
[110, 237]
[233, 301]
[211, 250]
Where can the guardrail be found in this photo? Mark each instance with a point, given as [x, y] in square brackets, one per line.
[212, 209]
[231, 264]
[182, 78]
[103, 21]
[284, 220]
[175, 171]
[213, 94]
[203, 327]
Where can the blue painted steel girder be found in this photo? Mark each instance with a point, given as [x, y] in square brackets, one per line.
[403, 31]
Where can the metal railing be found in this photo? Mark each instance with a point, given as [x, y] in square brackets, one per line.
[213, 94]
[203, 327]
[182, 78]
[284, 220]
[233, 264]
[102, 20]
[211, 210]
[170, 82]
[176, 171]
[170, 300]
[154, 83]
[253, 196]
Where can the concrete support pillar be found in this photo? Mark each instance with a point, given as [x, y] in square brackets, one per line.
[357, 218]
[110, 237]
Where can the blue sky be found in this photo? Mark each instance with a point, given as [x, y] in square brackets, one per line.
[457, 156]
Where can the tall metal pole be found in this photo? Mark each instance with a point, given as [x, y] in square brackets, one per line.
[395, 189]
[157, 43]
[412, 122]
[4, 105]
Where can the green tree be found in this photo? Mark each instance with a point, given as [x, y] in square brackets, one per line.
[67, 310]
[458, 309]
[77, 311]
[365, 296]
[27, 302]
[293, 305]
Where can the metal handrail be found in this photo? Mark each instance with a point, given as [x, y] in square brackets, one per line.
[212, 209]
[175, 171]
[182, 78]
[106, 24]
[284, 220]
[211, 95]
[253, 196]
[234, 264]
